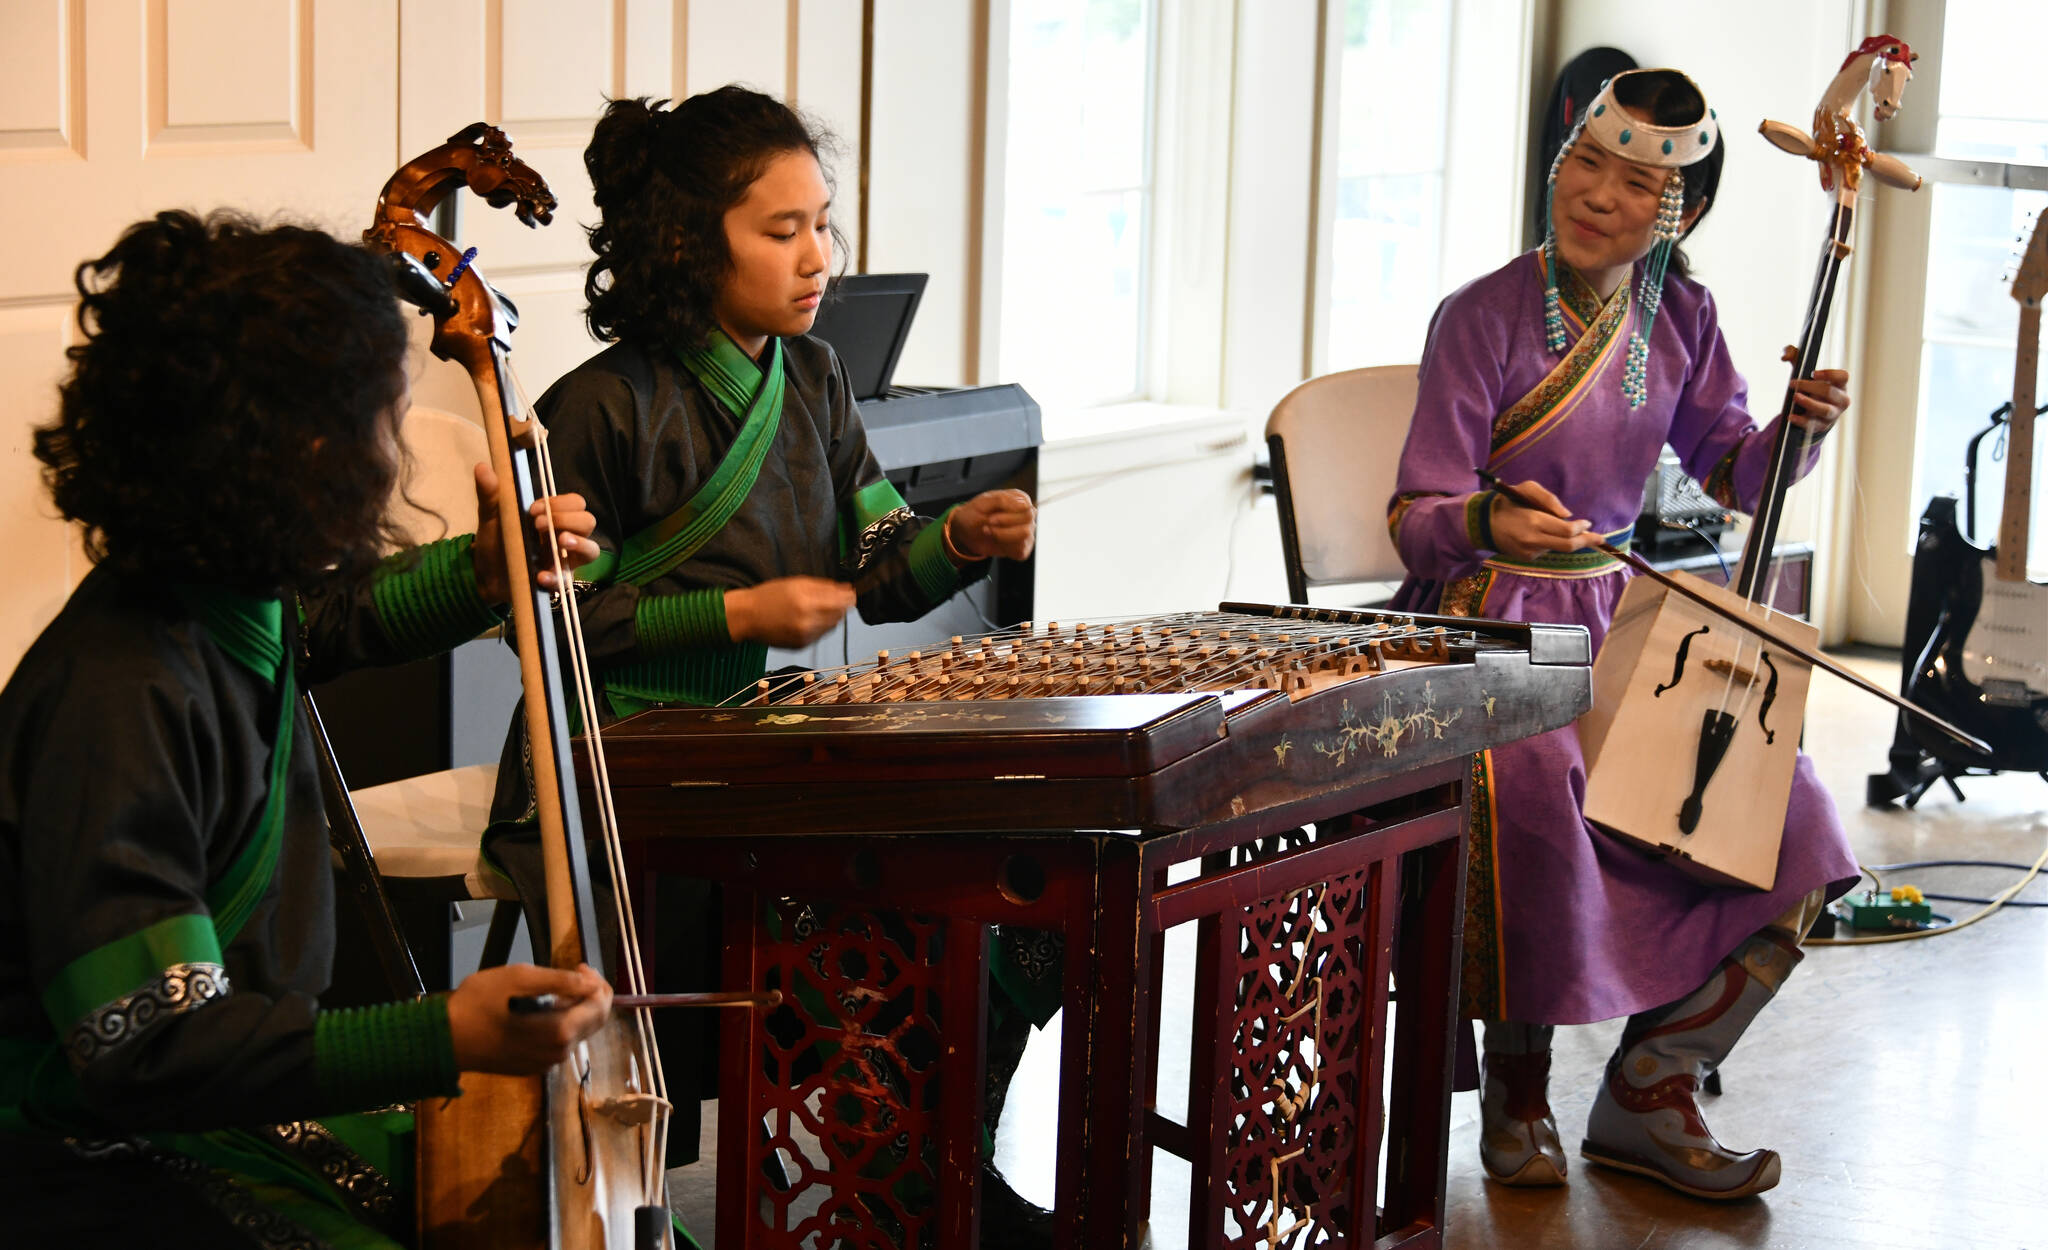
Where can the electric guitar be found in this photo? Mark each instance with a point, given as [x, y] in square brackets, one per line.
[1985, 665]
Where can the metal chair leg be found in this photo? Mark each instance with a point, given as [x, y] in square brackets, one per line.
[504, 927]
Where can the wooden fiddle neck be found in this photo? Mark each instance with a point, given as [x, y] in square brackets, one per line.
[2016, 514]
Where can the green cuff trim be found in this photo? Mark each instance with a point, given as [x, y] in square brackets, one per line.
[1720, 483]
[125, 965]
[933, 570]
[1479, 520]
[664, 624]
[1581, 563]
[873, 502]
[426, 599]
[392, 1052]
[698, 676]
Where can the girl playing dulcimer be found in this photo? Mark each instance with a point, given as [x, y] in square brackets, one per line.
[737, 500]
[1565, 372]
[228, 439]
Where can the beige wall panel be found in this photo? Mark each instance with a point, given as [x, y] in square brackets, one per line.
[1483, 199]
[1884, 430]
[42, 80]
[228, 75]
[56, 212]
[653, 45]
[553, 65]
[743, 41]
[1266, 308]
[1190, 221]
[542, 71]
[827, 89]
[920, 171]
[43, 563]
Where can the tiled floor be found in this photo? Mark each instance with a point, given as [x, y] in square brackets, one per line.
[1906, 1084]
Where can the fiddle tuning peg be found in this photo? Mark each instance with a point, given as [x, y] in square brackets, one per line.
[461, 266]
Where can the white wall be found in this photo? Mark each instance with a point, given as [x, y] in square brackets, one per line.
[924, 176]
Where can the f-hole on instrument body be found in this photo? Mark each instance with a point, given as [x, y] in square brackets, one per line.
[1694, 734]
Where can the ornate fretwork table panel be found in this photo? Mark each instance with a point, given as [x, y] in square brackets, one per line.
[1315, 842]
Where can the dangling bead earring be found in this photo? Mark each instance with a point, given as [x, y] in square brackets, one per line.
[1553, 313]
[1650, 294]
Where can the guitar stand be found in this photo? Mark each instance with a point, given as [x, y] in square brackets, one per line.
[1913, 773]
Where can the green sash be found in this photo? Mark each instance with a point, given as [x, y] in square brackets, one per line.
[251, 632]
[739, 384]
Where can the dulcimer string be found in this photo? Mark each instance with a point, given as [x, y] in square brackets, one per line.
[1192, 651]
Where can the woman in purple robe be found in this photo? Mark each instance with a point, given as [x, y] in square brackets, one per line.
[1566, 371]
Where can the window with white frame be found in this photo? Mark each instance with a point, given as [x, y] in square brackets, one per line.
[1077, 198]
[1421, 193]
[1994, 115]
[1386, 239]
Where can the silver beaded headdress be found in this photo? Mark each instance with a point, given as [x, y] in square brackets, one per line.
[1662, 147]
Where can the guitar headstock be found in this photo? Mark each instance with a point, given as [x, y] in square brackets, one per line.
[2030, 280]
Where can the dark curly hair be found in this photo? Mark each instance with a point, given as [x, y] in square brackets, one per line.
[228, 417]
[665, 179]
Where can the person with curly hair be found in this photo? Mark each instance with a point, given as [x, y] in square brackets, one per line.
[227, 438]
[719, 444]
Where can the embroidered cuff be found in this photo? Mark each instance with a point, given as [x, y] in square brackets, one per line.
[933, 570]
[114, 994]
[392, 1052]
[664, 624]
[878, 535]
[1720, 483]
[426, 598]
[1479, 520]
[1399, 513]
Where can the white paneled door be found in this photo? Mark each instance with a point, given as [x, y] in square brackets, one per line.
[301, 109]
[542, 70]
[110, 112]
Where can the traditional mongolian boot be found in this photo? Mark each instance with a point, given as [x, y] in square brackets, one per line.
[1517, 1135]
[1647, 1118]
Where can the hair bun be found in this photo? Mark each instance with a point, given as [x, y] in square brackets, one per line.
[621, 155]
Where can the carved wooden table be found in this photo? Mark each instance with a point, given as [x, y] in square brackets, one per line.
[1316, 842]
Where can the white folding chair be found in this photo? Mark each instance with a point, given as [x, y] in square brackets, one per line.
[424, 831]
[1336, 446]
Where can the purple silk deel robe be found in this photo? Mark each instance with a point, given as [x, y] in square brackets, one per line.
[1566, 923]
